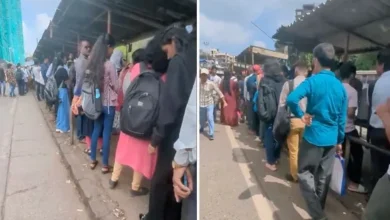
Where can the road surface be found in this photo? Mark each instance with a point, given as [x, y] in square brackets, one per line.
[34, 184]
[236, 185]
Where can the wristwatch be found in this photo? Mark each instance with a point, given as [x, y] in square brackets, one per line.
[176, 166]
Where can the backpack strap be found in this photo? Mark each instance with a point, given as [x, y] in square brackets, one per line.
[290, 86]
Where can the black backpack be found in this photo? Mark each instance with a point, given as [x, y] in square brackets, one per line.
[140, 108]
[281, 126]
[267, 102]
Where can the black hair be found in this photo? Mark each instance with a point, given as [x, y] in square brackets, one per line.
[383, 57]
[178, 34]
[272, 67]
[325, 55]
[346, 70]
[58, 61]
[36, 62]
[98, 57]
[226, 82]
[213, 67]
[9, 65]
[138, 56]
[155, 56]
[18, 65]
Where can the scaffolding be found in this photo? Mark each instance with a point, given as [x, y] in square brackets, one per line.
[11, 31]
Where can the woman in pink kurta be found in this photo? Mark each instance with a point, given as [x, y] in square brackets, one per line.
[229, 88]
[133, 152]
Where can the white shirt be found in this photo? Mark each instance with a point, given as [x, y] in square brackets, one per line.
[185, 146]
[352, 103]
[216, 79]
[246, 93]
[38, 75]
[379, 96]
[48, 73]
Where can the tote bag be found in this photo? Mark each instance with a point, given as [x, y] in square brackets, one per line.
[338, 181]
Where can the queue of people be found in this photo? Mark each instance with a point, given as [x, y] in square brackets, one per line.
[98, 87]
[312, 113]
[14, 76]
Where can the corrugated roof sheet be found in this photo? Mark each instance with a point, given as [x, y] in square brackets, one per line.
[366, 21]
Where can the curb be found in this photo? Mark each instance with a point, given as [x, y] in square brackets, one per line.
[67, 166]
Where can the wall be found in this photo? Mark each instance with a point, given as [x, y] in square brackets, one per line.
[137, 43]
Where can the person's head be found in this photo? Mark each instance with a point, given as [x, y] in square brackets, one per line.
[272, 67]
[226, 82]
[155, 56]
[383, 61]
[138, 56]
[36, 62]
[174, 40]
[324, 57]
[9, 65]
[85, 48]
[249, 69]
[100, 53]
[18, 66]
[346, 71]
[300, 68]
[204, 74]
[257, 69]
[213, 70]
[46, 60]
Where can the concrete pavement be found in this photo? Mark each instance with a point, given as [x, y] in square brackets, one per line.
[34, 184]
[234, 183]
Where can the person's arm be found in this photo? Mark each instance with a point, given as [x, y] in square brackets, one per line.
[283, 95]
[297, 95]
[49, 70]
[342, 118]
[114, 81]
[174, 96]
[352, 104]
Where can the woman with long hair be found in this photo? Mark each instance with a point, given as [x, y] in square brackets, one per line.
[103, 73]
[62, 105]
[229, 88]
[132, 151]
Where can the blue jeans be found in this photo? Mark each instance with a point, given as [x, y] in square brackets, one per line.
[190, 204]
[2, 87]
[272, 147]
[104, 122]
[207, 114]
[12, 90]
[79, 125]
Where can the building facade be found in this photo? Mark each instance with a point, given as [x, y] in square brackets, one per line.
[11, 31]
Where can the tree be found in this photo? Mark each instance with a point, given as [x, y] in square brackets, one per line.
[365, 61]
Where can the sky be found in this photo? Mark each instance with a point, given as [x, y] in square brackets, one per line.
[226, 24]
[36, 16]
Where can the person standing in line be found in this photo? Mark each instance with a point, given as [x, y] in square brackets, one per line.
[229, 89]
[247, 101]
[378, 206]
[3, 84]
[354, 169]
[270, 88]
[325, 120]
[251, 88]
[296, 125]
[39, 81]
[44, 69]
[180, 48]
[19, 76]
[105, 75]
[217, 80]
[380, 162]
[206, 102]
[10, 74]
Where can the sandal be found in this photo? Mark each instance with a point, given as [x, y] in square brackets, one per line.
[93, 164]
[87, 151]
[140, 192]
[106, 169]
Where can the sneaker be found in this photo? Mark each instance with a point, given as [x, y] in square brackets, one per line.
[112, 184]
[211, 137]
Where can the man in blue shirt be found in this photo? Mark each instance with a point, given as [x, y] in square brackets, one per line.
[325, 120]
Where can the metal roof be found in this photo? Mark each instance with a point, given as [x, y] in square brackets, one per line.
[87, 19]
[366, 21]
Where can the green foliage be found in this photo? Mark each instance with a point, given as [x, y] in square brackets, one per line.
[365, 61]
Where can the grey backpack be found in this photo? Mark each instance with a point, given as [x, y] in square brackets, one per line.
[91, 103]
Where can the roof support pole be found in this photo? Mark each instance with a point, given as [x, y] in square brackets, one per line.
[109, 21]
[345, 58]
[253, 58]
[78, 45]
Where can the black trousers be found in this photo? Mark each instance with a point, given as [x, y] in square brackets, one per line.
[354, 169]
[379, 161]
[162, 203]
[39, 91]
[21, 86]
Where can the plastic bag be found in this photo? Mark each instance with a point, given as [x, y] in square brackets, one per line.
[338, 180]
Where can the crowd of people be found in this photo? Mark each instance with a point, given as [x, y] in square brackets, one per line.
[312, 111]
[14, 76]
[99, 88]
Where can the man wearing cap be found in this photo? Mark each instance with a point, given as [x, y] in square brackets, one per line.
[206, 101]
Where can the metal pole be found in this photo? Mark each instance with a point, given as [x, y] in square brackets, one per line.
[109, 22]
[345, 58]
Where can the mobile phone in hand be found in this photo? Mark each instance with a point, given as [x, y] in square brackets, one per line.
[184, 180]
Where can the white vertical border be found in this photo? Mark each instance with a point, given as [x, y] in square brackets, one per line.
[197, 114]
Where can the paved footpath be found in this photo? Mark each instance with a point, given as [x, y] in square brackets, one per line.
[234, 183]
[34, 184]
